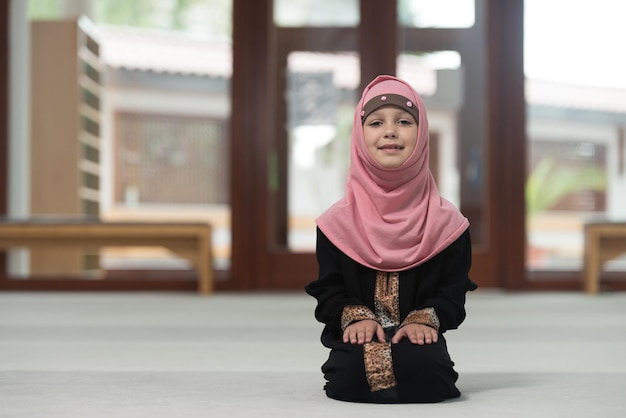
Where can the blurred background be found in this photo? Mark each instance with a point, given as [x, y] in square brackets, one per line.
[238, 113]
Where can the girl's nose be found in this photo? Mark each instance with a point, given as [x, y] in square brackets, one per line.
[390, 133]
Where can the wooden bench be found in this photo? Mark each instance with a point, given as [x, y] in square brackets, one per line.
[191, 241]
[604, 240]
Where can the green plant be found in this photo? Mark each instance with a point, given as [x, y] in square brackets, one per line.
[550, 182]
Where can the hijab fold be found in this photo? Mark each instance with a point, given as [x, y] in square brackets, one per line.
[391, 219]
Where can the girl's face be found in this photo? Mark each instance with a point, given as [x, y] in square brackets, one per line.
[390, 135]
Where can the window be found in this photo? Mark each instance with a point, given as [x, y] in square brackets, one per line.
[575, 95]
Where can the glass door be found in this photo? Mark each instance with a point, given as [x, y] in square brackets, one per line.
[323, 59]
[444, 55]
[576, 135]
[317, 85]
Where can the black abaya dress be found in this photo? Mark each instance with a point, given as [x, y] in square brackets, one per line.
[432, 293]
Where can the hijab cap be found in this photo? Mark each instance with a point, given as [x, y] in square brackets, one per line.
[377, 102]
[391, 219]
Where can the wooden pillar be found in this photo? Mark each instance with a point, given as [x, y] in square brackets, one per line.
[251, 119]
[508, 136]
[378, 39]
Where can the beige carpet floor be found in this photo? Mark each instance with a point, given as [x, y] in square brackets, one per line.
[92, 355]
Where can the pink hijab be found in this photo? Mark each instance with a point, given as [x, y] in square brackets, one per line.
[391, 219]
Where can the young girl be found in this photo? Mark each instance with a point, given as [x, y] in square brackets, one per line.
[393, 261]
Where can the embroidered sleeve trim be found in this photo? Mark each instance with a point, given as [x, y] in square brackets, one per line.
[354, 313]
[426, 316]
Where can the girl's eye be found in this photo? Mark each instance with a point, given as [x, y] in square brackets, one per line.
[405, 122]
[375, 123]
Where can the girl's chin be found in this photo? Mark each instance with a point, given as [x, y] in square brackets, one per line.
[393, 162]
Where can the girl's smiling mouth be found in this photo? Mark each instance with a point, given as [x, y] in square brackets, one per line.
[391, 147]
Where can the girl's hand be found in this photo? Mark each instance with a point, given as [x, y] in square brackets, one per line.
[361, 332]
[417, 334]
